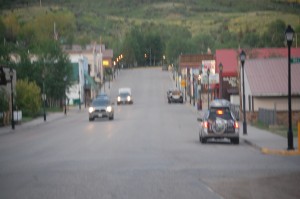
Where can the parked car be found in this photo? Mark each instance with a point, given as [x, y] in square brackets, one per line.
[124, 96]
[219, 123]
[175, 96]
[101, 108]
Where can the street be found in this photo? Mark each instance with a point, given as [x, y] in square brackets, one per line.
[150, 150]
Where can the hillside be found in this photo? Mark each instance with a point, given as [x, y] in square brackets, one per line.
[112, 19]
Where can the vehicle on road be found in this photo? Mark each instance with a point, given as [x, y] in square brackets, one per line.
[124, 96]
[219, 123]
[102, 95]
[175, 96]
[101, 108]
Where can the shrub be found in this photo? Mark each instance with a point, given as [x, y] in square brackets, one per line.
[28, 97]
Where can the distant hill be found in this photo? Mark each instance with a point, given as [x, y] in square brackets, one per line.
[112, 19]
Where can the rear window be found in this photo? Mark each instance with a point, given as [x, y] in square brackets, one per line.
[176, 92]
[222, 112]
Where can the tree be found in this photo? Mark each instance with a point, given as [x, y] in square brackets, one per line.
[3, 101]
[28, 97]
[202, 42]
[274, 36]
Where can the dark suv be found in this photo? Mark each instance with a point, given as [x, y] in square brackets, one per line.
[219, 123]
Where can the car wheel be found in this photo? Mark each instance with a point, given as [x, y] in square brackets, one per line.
[235, 140]
[202, 139]
[91, 119]
[111, 118]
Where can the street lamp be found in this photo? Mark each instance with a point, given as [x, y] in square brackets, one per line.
[79, 85]
[200, 89]
[242, 58]
[221, 80]
[193, 90]
[208, 72]
[65, 80]
[289, 35]
[44, 97]
[11, 73]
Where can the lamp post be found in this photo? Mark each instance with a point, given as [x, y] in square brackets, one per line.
[190, 88]
[11, 74]
[200, 89]
[221, 80]
[243, 58]
[289, 35]
[193, 90]
[85, 92]
[44, 98]
[79, 99]
[65, 96]
[208, 72]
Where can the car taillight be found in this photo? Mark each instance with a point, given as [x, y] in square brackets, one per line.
[205, 124]
[220, 112]
[236, 125]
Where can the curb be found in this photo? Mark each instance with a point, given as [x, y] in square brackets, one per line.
[268, 151]
[280, 152]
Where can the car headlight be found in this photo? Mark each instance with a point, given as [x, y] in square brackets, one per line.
[109, 109]
[119, 98]
[91, 109]
[128, 98]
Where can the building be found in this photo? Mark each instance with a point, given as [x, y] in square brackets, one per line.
[192, 77]
[266, 86]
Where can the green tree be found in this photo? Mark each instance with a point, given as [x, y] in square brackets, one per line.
[28, 97]
[203, 42]
[250, 40]
[3, 101]
[274, 36]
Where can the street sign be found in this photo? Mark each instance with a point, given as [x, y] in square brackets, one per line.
[295, 60]
[183, 83]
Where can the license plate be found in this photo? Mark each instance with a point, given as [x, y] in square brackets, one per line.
[99, 115]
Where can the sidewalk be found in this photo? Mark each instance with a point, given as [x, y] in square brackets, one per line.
[39, 121]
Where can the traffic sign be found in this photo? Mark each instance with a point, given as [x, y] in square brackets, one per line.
[183, 83]
[295, 60]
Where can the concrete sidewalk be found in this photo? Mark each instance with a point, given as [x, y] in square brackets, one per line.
[268, 142]
[50, 117]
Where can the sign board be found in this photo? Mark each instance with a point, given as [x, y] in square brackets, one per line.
[183, 83]
[295, 60]
[105, 63]
[213, 79]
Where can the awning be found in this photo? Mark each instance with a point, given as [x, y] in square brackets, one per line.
[90, 82]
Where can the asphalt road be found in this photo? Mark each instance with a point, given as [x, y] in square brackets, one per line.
[150, 150]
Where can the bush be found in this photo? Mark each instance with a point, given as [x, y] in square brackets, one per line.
[28, 98]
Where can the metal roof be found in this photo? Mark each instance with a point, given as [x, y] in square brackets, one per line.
[269, 77]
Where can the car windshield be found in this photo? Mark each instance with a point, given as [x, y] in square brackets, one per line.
[100, 102]
[222, 112]
[124, 94]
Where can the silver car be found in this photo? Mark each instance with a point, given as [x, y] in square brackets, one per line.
[101, 108]
[124, 96]
[219, 123]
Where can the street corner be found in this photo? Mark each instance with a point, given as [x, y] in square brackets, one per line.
[280, 152]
